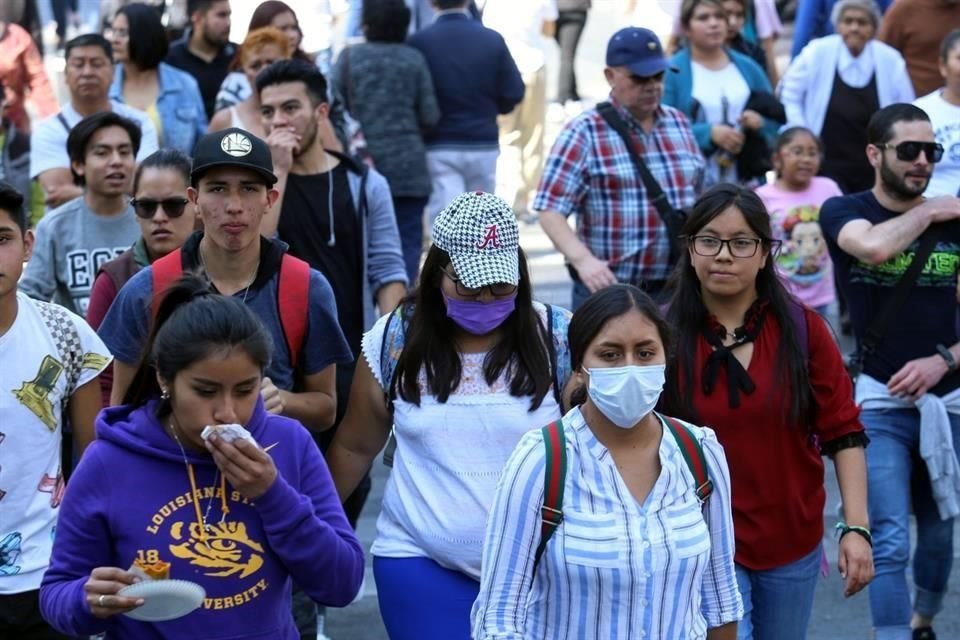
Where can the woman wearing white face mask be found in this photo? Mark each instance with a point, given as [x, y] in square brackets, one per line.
[636, 554]
[766, 374]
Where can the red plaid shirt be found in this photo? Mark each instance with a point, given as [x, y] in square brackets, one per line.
[589, 173]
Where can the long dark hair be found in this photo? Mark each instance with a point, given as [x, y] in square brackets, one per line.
[429, 344]
[191, 323]
[599, 309]
[688, 315]
[147, 46]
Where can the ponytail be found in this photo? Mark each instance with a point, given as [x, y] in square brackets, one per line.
[191, 322]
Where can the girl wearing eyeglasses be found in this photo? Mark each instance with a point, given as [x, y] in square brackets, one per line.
[793, 201]
[160, 202]
[461, 370]
[765, 373]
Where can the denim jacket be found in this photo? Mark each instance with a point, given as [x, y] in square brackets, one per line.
[180, 106]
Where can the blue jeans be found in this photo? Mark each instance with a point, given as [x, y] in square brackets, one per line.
[421, 600]
[777, 602]
[896, 479]
[409, 212]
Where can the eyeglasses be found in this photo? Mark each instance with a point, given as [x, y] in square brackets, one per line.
[709, 246]
[497, 289]
[909, 151]
[146, 208]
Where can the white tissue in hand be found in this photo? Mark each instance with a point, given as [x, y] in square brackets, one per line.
[228, 432]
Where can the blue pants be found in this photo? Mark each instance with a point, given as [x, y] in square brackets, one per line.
[419, 599]
[409, 212]
[896, 479]
[777, 602]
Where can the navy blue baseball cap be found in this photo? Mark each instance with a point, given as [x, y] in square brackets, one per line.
[639, 50]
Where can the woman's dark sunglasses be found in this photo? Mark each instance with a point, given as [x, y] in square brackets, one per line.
[909, 150]
[146, 208]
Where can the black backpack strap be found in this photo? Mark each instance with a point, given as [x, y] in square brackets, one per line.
[881, 322]
[554, 478]
[63, 121]
[657, 197]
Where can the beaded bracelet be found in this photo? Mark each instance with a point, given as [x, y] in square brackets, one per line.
[844, 529]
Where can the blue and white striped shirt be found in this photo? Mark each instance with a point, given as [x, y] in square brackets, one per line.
[615, 569]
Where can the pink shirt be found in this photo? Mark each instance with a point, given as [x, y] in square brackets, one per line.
[803, 261]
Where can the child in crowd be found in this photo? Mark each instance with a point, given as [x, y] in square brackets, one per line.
[793, 201]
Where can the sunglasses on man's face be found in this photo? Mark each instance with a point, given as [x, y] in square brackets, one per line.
[146, 208]
[910, 150]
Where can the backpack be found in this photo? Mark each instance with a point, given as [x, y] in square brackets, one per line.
[390, 357]
[293, 295]
[67, 340]
[555, 473]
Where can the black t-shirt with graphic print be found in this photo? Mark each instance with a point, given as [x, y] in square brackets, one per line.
[928, 316]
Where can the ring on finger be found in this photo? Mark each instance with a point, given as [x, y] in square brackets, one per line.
[100, 600]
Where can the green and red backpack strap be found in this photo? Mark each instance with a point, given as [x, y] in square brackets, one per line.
[293, 304]
[554, 477]
[692, 452]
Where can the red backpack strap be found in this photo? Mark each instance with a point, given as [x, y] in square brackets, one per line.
[554, 477]
[165, 271]
[692, 452]
[293, 304]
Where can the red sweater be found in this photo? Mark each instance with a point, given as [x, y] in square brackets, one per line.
[777, 473]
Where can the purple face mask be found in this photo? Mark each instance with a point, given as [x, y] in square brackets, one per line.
[479, 318]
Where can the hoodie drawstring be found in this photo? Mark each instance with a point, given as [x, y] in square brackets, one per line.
[196, 503]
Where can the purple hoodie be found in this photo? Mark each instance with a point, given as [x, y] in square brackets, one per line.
[130, 498]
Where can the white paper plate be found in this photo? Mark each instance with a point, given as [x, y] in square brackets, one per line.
[164, 599]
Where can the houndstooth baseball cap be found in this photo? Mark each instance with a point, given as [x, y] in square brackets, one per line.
[479, 232]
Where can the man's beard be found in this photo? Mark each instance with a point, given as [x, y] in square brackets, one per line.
[309, 139]
[896, 186]
[217, 43]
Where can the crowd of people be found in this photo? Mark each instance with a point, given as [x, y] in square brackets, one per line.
[207, 238]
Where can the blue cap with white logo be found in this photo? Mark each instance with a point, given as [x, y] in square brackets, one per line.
[637, 49]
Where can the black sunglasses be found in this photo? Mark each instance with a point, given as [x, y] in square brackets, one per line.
[909, 151]
[146, 208]
[657, 77]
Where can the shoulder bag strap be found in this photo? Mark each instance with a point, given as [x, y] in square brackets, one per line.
[554, 477]
[692, 452]
[657, 197]
[882, 321]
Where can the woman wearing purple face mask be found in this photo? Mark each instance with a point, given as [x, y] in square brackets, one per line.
[461, 370]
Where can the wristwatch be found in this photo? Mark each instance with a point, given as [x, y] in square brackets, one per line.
[946, 355]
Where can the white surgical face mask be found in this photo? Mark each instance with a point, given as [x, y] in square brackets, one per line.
[626, 394]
